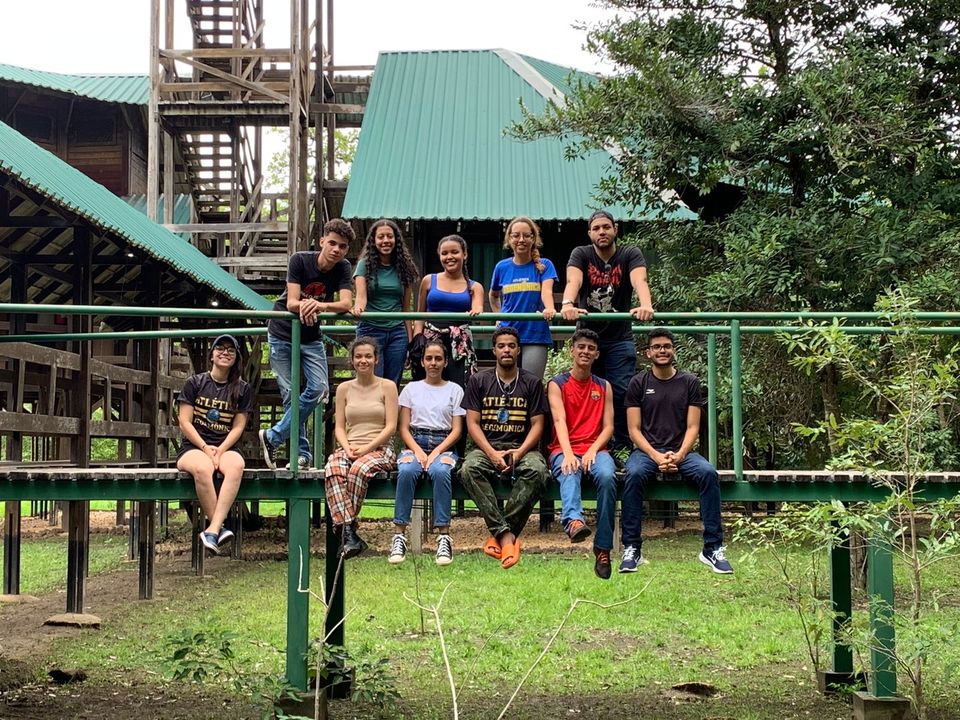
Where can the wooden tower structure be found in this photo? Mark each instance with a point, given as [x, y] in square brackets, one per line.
[209, 106]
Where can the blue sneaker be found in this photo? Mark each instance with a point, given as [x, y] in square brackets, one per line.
[224, 536]
[716, 560]
[209, 541]
[631, 560]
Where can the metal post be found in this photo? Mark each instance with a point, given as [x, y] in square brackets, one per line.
[294, 395]
[298, 602]
[735, 397]
[712, 398]
[883, 679]
[841, 599]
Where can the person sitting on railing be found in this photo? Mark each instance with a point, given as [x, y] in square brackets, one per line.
[450, 291]
[505, 418]
[582, 408]
[313, 279]
[663, 414]
[524, 284]
[385, 279]
[366, 419]
[431, 423]
[601, 278]
[212, 413]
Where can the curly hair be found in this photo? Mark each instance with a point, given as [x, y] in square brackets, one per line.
[535, 246]
[340, 227]
[401, 258]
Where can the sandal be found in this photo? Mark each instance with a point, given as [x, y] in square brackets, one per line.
[492, 548]
[510, 555]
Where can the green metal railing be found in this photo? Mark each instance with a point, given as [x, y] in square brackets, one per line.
[679, 322]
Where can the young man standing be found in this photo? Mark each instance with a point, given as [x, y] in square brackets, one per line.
[582, 408]
[505, 418]
[313, 279]
[663, 413]
[602, 278]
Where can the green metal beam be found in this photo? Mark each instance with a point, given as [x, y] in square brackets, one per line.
[883, 679]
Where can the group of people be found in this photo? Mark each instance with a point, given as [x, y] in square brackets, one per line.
[598, 407]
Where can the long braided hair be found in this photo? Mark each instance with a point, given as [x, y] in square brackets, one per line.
[537, 240]
[401, 258]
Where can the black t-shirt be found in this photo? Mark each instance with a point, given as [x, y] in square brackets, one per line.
[505, 416]
[606, 287]
[314, 283]
[212, 412]
[663, 406]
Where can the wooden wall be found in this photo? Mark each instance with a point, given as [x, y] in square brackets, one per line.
[97, 138]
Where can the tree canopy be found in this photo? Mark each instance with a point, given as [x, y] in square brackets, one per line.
[817, 140]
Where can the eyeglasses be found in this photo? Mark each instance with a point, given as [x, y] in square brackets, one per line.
[226, 350]
[518, 236]
[667, 346]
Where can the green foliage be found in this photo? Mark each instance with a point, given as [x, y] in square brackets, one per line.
[208, 656]
[818, 142]
[373, 681]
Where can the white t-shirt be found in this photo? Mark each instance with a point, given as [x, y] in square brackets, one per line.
[432, 407]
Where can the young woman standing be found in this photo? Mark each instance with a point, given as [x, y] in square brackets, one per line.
[431, 422]
[451, 291]
[385, 279]
[212, 413]
[524, 284]
[366, 419]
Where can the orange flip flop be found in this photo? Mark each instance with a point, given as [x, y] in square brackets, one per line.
[492, 548]
[510, 554]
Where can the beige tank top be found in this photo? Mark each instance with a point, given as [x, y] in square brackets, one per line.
[366, 412]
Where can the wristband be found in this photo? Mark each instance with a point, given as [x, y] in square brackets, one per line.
[566, 302]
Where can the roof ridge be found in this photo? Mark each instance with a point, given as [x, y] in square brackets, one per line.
[531, 76]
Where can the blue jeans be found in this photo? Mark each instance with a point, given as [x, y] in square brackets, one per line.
[409, 473]
[604, 477]
[641, 469]
[618, 364]
[313, 360]
[393, 349]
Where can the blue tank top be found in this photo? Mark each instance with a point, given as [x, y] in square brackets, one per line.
[442, 301]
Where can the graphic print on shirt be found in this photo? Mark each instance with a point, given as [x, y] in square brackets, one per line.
[603, 284]
[315, 290]
[501, 414]
[212, 414]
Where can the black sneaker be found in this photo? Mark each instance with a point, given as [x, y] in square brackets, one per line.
[602, 565]
[444, 550]
[631, 559]
[269, 451]
[398, 550]
[716, 560]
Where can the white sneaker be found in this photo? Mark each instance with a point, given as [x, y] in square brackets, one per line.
[444, 550]
[398, 549]
[302, 464]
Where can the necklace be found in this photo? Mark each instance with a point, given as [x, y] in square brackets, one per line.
[505, 391]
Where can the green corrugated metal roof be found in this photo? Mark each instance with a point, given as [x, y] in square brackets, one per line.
[561, 77]
[432, 144]
[47, 174]
[130, 89]
[182, 209]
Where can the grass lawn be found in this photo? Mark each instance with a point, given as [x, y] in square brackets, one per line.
[43, 563]
[736, 633]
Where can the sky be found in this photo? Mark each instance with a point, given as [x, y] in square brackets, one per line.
[112, 36]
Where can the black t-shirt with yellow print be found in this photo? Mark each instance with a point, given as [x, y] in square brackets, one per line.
[212, 412]
[505, 410]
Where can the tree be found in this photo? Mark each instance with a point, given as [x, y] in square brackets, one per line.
[817, 140]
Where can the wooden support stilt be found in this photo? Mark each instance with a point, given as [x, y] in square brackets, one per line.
[11, 548]
[147, 550]
[78, 553]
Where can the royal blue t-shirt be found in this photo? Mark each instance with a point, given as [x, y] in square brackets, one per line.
[520, 287]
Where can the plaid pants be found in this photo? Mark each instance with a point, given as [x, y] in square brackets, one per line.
[346, 481]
